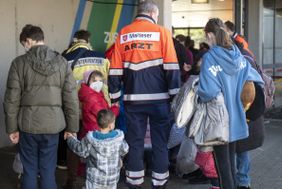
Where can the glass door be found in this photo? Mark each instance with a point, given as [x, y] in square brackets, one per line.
[278, 39]
[268, 37]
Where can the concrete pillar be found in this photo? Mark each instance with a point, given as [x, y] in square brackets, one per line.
[165, 13]
[255, 28]
[8, 51]
[56, 19]
[238, 9]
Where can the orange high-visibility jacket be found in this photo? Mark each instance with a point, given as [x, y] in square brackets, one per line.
[144, 60]
[241, 40]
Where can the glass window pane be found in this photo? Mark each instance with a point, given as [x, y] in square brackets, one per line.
[268, 36]
[268, 26]
[198, 35]
[278, 37]
[183, 31]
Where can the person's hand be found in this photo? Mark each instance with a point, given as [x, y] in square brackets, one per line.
[187, 67]
[14, 137]
[116, 104]
[69, 134]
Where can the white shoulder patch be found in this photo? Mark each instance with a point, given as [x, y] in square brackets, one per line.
[142, 36]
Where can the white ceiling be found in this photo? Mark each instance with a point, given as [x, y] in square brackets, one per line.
[186, 14]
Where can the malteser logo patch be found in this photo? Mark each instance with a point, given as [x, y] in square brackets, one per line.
[124, 37]
[140, 36]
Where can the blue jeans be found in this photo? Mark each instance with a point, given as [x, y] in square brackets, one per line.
[38, 153]
[243, 168]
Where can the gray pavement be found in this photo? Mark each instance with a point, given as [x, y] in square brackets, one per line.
[266, 168]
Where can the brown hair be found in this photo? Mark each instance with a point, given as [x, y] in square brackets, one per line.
[33, 32]
[230, 25]
[180, 38]
[104, 118]
[216, 26]
[82, 34]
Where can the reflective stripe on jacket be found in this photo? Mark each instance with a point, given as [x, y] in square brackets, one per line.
[144, 60]
[90, 60]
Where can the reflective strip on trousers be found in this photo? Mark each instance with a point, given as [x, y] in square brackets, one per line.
[160, 176]
[136, 97]
[160, 179]
[159, 182]
[135, 177]
[137, 181]
[135, 174]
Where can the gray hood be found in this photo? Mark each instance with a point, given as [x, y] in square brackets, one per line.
[43, 60]
[107, 147]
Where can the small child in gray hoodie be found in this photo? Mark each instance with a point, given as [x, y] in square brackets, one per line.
[103, 151]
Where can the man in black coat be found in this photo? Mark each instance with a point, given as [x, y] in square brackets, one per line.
[182, 57]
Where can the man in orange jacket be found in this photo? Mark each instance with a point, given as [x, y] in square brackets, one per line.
[145, 62]
[230, 28]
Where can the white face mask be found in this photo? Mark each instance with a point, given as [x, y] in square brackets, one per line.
[96, 86]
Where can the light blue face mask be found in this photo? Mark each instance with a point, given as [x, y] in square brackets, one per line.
[96, 86]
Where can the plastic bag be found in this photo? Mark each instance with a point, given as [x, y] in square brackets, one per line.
[176, 136]
[17, 164]
[185, 162]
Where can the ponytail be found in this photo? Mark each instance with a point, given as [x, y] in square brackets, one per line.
[216, 26]
[223, 39]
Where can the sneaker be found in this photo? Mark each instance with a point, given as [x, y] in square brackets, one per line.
[193, 174]
[199, 180]
[243, 187]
